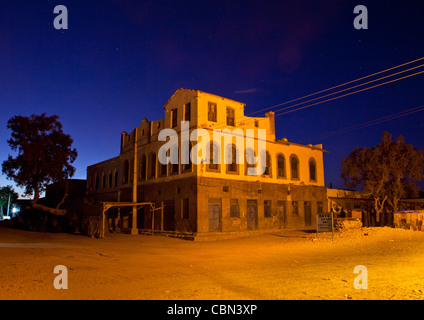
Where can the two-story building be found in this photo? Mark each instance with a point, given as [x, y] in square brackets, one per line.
[212, 196]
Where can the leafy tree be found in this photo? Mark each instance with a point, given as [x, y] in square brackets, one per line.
[44, 153]
[387, 172]
[365, 168]
[406, 165]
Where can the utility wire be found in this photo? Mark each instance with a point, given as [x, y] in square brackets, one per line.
[340, 85]
[338, 97]
[350, 93]
[223, 124]
[359, 85]
[372, 122]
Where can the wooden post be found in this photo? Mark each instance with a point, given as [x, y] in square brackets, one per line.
[161, 216]
[118, 221]
[103, 221]
[134, 229]
[153, 217]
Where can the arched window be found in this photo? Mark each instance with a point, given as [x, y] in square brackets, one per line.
[153, 165]
[213, 156]
[281, 166]
[163, 166]
[294, 167]
[250, 161]
[143, 167]
[126, 172]
[232, 159]
[268, 168]
[173, 167]
[187, 166]
[110, 180]
[312, 170]
[116, 178]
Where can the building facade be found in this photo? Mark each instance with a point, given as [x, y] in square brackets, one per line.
[204, 197]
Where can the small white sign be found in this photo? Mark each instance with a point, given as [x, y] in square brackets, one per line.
[325, 222]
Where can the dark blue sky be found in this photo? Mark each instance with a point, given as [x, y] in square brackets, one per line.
[120, 61]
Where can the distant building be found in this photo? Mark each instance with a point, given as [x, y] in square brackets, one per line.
[352, 202]
[211, 198]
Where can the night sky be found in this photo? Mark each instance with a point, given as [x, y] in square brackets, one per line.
[121, 60]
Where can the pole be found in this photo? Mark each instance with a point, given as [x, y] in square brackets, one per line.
[332, 225]
[103, 221]
[161, 216]
[118, 221]
[8, 206]
[153, 218]
[134, 229]
[317, 230]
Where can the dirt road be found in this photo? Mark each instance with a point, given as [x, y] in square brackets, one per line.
[288, 265]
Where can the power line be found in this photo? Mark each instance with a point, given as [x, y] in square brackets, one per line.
[350, 93]
[372, 122]
[340, 85]
[223, 124]
[359, 85]
[338, 97]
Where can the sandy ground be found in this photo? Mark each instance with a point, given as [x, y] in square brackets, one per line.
[287, 265]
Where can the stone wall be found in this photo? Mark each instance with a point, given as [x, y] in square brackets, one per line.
[92, 221]
[412, 220]
[280, 198]
[346, 223]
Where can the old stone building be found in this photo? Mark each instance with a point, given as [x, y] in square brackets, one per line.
[211, 197]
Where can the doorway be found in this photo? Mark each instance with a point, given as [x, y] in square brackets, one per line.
[282, 213]
[308, 213]
[214, 215]
[169, 215]
[252, 214]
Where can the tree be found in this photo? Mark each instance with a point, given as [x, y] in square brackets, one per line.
[44, 153]
[389, 171]
[406, 166]
[363, 168]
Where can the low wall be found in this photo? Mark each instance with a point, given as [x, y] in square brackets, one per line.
[347, 223]
[92, 220]
[412, 220]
